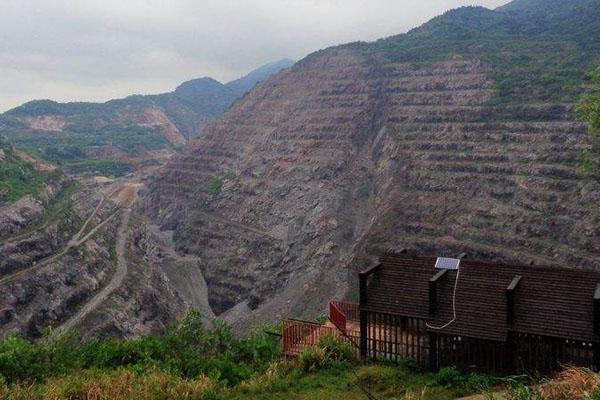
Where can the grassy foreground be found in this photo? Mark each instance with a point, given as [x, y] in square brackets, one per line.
[190, 361]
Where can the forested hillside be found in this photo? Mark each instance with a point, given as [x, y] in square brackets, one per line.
[118, 136]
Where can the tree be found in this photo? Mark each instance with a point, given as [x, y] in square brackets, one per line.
[589, 109]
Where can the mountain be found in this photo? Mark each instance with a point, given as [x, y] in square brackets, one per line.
[19, 174]
[458, 136]
[119, 135]
[246, 83]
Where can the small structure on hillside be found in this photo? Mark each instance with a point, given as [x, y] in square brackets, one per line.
[473, 315]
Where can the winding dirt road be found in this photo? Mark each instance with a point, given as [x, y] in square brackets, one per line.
[74, 242]
[115, 282]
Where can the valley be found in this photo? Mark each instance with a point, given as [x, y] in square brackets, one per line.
[262, 198]
[293, 233]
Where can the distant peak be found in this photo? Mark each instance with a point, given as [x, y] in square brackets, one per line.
[247, 82]
[199, 84]
[36, 107]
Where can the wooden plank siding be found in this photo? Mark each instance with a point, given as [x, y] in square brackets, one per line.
[509, 317]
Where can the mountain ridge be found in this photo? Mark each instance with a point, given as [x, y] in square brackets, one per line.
[111, 132]
[459, 136]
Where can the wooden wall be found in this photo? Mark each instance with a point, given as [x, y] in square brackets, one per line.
[392, 337]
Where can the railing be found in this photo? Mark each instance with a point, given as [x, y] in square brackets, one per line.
[350, 310]
[346, 316]
[337, 317]
[298, 335]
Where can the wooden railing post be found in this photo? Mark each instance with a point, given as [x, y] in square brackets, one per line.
[433, 352]
[596, 323]
[433, 291]
[597, 310]
[364, 315]
[510, 354]
[510, 300]
[363, 335]
[362, 280]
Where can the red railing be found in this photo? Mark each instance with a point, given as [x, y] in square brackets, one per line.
[337, 317]
[298, 335]
[350, 310]
[344, 317]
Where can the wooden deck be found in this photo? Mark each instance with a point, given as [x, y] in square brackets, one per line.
[343, 324]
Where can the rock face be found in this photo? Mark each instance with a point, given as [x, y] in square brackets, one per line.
[352, 152]
[14, 217]
[425, 141]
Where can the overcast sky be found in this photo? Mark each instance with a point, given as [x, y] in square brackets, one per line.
[95, 50]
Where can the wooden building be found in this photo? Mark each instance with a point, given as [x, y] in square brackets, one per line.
[505, 317]
[493, 318]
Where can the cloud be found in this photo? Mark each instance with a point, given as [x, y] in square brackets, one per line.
[71, 50]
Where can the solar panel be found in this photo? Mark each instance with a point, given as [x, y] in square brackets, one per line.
[447, 263]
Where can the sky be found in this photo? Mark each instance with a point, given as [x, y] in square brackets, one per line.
[85, 50]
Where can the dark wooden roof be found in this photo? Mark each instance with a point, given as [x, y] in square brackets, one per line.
[548, 301]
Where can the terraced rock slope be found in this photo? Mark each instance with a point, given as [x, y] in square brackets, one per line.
[444, 140]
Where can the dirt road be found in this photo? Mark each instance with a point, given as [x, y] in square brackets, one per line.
[115, 282]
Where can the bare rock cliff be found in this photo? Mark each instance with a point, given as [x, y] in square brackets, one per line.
[346, 155]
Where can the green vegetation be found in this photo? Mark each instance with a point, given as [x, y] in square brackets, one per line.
[186, 350]
[17, 176]
[535, 53]
[589, 109]
[215, 185]
[102, 167]
[90, 146]
[190, 361]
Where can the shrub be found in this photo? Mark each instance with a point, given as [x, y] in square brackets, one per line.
[313, 359]
[520, 391]
[449, 376]
[377, 377]
[329, 352]
[269, 381]
[337, 350]
[573, 384]
[187, 350]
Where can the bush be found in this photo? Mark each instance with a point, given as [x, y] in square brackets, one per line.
[451, 377]
[337, 350]
[572, 384]
[377, 377]
[313, 359]
[186, 350]
[519, 391]
[329, 352]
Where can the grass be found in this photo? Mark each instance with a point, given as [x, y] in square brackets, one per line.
[589, 110]
[532, 59]
[282, 381]
[18, 178]
[59, 208]
[75, 149]
[112, 168]
[190, 361]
